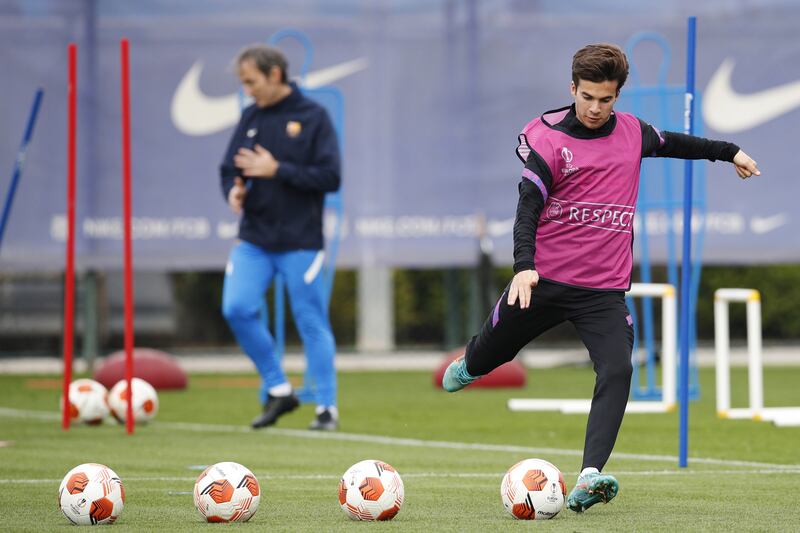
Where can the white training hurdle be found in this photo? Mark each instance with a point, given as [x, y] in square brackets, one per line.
[669, 333]
[780, 416]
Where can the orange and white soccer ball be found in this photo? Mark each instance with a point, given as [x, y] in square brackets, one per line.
[91, 494]
[533, 489]
[371, 490]
[145, 400]
[87, 401]
[227, 492]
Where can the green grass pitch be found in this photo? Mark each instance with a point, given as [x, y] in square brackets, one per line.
[450, 449]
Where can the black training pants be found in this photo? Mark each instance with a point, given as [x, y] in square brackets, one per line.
[603, 323]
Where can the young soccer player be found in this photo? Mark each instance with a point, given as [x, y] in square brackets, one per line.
[573, 239]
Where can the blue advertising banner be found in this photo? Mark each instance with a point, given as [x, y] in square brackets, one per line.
[435, 93]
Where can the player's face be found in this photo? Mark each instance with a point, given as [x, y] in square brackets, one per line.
[594, 101]
[264, 89]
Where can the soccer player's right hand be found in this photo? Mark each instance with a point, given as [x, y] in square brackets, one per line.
[521, 287]
[236, 195]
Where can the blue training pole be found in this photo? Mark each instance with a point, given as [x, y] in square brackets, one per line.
[20, 162]
[686, 264]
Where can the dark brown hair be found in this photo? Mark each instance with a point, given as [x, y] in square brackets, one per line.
[600, 62]
[265, 57]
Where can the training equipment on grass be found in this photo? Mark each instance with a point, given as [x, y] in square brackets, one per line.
[145, 401]
[658, 206]
[227, 492]
[780, 416]
[69, 261]
[87, 401]
[91, 494]
[686, 311]
[156, 367]
[69, 268]
[666, 403]
[371, 490]
[125, 105]
[533, 489]
[669, 336]
[19, 162]
[693, 207]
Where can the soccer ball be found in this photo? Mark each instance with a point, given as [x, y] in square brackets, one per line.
[533, 489]
[145, 400]
[371, 490]
[91, 494]
[227, 492]
[87, 401]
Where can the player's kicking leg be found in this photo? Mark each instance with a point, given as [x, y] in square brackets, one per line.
[505, 332]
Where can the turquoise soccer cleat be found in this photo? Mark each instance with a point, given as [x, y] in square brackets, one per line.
[456, 376]
[592, 488]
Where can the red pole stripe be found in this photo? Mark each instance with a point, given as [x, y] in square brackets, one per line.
[69, 267]
[126, 215]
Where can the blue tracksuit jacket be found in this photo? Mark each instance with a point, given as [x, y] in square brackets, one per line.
[285, 213]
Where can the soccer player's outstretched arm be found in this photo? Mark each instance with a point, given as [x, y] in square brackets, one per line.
[679, 145]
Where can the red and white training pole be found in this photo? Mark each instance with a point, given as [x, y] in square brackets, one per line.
[126, 218]
[69, 268]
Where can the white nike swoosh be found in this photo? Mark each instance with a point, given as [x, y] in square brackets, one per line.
[194, 113]
[727, 111]
[766, 224]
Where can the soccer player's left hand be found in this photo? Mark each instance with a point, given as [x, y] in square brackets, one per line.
[745, 166]
[258, 163]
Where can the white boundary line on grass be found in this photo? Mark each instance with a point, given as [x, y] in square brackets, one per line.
[425, 475]
[417, 443]
[398, 441]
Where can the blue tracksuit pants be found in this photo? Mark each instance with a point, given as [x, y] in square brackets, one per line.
[249, 272]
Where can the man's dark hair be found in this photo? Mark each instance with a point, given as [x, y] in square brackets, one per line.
[265, 57]
[600, 62]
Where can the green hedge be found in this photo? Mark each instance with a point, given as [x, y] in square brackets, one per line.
[438, 308]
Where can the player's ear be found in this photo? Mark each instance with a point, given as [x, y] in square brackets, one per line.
[275, 74]
[573, 89]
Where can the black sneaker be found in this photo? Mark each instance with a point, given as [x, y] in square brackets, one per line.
[274, 408]
[325, 421]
